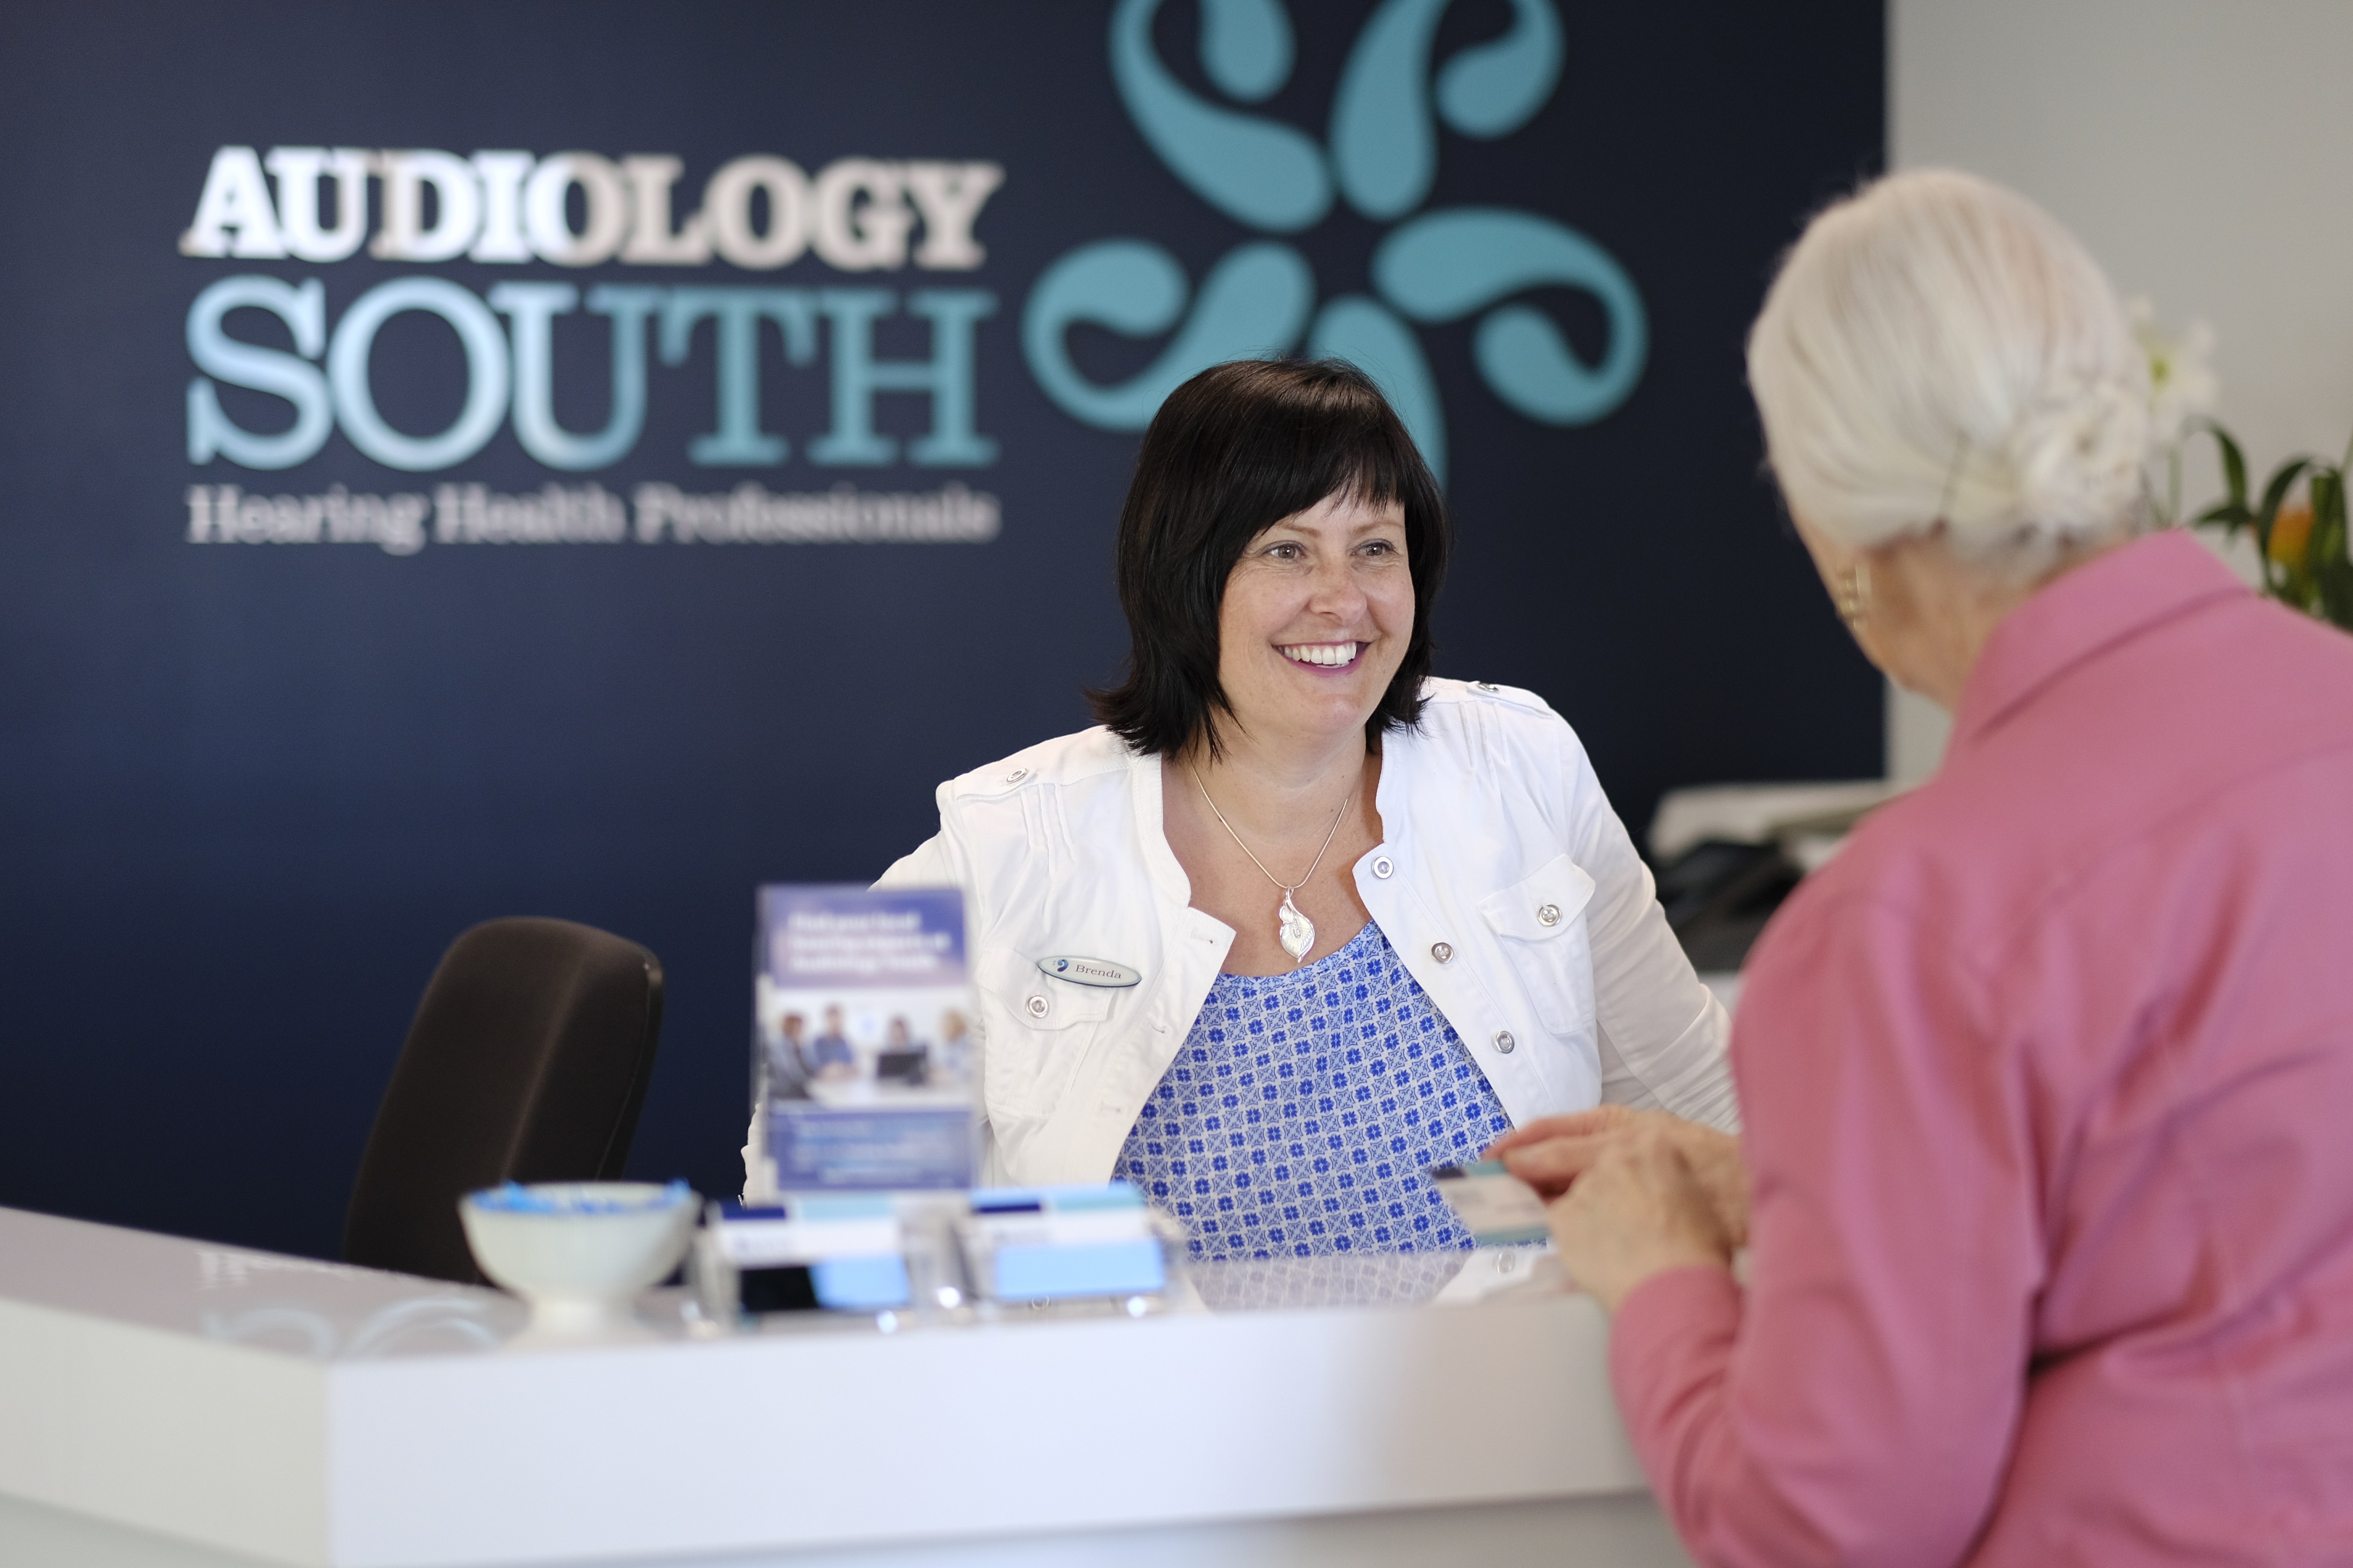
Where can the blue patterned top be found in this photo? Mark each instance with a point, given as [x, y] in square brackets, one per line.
[1302, 1111]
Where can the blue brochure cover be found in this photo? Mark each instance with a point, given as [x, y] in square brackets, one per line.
[862, 1027]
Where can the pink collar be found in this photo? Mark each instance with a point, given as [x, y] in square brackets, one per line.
[2099, 604]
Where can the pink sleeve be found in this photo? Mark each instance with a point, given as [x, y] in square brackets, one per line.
[1856, 1406]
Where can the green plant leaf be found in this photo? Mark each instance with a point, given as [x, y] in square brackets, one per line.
[2281, 582]
[2337, 594]
[2327, 492]
[2276, 487]
[2234, 465]
[2325, 544]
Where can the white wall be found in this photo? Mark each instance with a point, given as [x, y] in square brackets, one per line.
[2202, 148]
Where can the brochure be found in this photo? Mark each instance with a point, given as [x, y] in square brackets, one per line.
[864, 1057]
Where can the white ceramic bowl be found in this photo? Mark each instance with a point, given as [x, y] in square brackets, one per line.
[579, 1252]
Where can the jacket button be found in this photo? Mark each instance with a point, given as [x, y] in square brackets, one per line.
[1504, 1041]
[1017, 776]
[1485, 684]
[1038, 1005]
[1441, 951]
[1381, 867]
[1548, 914]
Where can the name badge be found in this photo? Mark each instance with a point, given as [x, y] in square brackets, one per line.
[1089, 972]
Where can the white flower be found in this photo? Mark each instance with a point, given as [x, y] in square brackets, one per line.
[2181, 383]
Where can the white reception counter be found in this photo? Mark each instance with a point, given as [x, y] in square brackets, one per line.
[171, 1403]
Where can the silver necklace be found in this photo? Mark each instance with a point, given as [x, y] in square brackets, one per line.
[1293, 929]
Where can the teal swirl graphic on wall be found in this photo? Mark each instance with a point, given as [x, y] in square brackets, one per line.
[1445, 265]
[1380, 156]
[1245, 46]
[1255, 171]
[1254, 302]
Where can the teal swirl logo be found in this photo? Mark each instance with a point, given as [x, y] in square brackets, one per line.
[1380, 155]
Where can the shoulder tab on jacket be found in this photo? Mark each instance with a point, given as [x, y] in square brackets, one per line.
[1063, 760]
[1487, 691]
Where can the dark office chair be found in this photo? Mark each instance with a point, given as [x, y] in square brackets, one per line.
[527, 1061]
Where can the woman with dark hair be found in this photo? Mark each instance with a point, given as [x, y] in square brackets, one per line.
[1298, 921]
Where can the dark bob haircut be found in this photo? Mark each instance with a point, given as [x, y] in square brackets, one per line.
[1235, 449]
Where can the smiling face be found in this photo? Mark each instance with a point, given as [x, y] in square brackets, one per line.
[1315, 619]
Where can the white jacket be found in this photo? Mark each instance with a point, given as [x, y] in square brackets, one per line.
[1561, 976]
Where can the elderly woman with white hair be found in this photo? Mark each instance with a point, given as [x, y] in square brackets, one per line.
[2046, 1079]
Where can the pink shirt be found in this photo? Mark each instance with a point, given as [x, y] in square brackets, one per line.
[2048, 1086]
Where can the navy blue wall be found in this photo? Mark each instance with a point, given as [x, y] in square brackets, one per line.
[249, 791]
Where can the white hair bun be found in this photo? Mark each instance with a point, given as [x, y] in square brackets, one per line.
[1937, 350]
[2075, 457]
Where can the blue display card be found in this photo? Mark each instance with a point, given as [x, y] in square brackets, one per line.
[863, 1058]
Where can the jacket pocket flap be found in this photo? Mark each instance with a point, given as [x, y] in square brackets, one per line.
[1541, 905]
[1024, 990]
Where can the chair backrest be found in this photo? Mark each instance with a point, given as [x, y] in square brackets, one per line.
[527, 1061]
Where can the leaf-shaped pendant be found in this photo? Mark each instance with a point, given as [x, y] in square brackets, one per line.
[1298, 932]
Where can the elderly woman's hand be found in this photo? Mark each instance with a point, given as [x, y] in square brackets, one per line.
[1638, 1210]
[1552, 1152]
